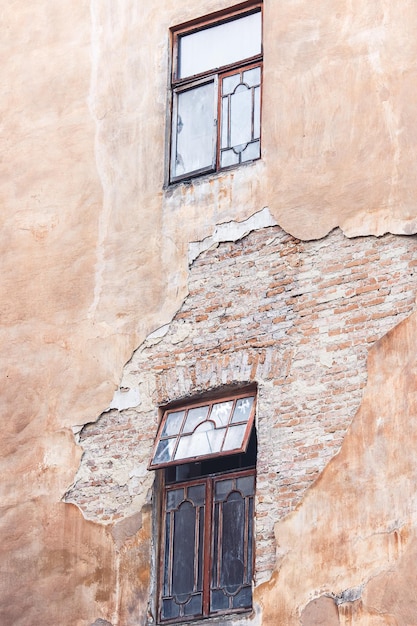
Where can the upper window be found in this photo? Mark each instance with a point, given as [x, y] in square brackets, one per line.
[216, 92]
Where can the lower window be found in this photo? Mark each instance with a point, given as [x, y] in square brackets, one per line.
[207, 453]
[207, 561]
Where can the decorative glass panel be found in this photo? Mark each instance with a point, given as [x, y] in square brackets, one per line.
[204, 431]
[232, 552]
[240, 117]
[242, 410]
[220, 413]
[194, 130]
[173, 423]
[220, 45]
[234, 437]
[182, 576]
[194, 418]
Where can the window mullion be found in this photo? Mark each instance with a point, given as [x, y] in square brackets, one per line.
[207, 546]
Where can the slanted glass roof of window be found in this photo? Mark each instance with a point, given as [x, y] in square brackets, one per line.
[214, 428]
[220, 45]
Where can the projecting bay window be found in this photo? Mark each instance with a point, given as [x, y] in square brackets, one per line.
[216, 92]
[208, 452]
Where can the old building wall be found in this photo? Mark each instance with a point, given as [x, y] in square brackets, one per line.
[94, 245]
[269, 309]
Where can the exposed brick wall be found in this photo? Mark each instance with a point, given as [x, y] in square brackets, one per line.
[296, 317]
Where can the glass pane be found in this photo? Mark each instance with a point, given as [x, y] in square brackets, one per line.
[164, 451]
[219, 601]
[166, 581]
[257, 113]
[252, 151]
[246, 485]
[220, 45]
[170, 609]
[194, 130]
[242, 410]
[194, 417]
[233, 545]
[201, 442]
[221, 412]
[224, 139]
[197, 494]
[174, 498]
[194, 606]
[234, 437]
[241, 116]
[230, 83]
[229, 157]
[243, 599]
[222, 489]
[252, 77]
[173, 423]
[183, 552]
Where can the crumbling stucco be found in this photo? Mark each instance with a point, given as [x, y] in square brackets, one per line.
[95, 249]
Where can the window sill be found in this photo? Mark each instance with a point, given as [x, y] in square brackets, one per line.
[202, 179]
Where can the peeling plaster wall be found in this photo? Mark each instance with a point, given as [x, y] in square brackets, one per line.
[294, 317]
[95, 249]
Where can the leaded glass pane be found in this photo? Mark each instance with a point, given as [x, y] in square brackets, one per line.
[220, 413]
[252, 77]
[257, 113]
[183, 552]
[219, 600]
[222, 489]
[200, 443]
[174, 498]
[194, 418]
[234, 437]
[233, 546]
[240, 116]
[173, 423]
[230, 83]
[242, 410]
[252, 151]
[219, 45]
[196, 494]
[229, 157]
[164, 451]
[246, 485]
[194, 127]
[195, 605]
[243, 599]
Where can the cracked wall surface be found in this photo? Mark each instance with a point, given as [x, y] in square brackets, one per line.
[95, 248]
[269, 309]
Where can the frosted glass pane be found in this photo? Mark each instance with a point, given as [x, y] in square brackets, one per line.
[252, 77]
[242, 410]
[173, 423]
[257, 113]
[220, 45]
[194, 418]
[230, 83]
[199, 443]
[228, 157]
[194, 129]
[234, 437]
[221, 412]
[224, 124]
[164, 451]
[253, 151]
[241, 117]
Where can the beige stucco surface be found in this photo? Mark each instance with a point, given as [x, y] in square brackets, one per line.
[94, 248]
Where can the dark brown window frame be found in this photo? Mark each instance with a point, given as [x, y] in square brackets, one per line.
[179, 85]
[234, 397]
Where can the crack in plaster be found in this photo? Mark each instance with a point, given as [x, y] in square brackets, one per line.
[231, 231]
[93, 107]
